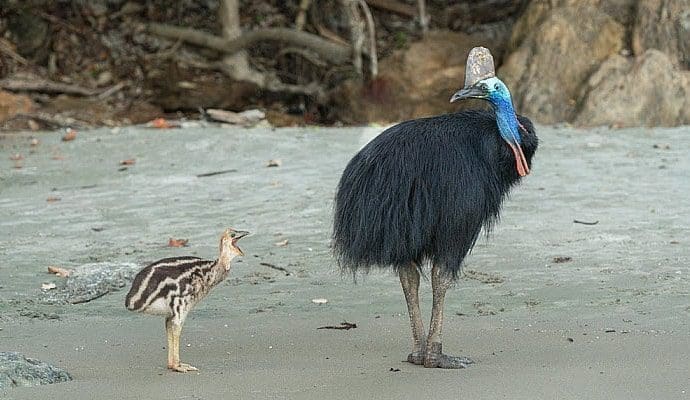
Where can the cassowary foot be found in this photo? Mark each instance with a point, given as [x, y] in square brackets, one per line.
[434, 358]
[416, 357]
[182, 367]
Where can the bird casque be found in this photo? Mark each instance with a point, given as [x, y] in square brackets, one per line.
[171, 287]
[421, 192]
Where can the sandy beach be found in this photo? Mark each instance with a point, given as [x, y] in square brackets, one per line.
[548, 308]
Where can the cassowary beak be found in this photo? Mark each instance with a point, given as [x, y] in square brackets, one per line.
[472, 92]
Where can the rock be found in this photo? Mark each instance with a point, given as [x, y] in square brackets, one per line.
[17, 370]
[91, 281]
[649, 91]
[414, 82]
[663, 25]
[13, 104]
[547, 71]
[622, 11]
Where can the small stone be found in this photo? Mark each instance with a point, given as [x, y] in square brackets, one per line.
[319, 301]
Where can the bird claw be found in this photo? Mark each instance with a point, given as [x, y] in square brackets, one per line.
[446, 362]
[434, 358]
[416, 358]
[182, 367]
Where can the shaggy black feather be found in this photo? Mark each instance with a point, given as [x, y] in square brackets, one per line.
[422, 191]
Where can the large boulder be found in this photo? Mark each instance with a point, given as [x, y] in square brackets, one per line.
[548, 69]
[622, 11]
[17, 370]
[413, 82]
[649, 90]
[12, 104]
[663, 25]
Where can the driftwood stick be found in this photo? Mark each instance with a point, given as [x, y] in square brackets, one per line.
[373, 57]
[36, 84]
[335, 53]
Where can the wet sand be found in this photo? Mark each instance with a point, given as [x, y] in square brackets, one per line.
[609, 323]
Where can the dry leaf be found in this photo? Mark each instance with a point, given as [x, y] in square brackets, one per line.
[70, 134]
[282, 243]
[177, 242]
[16, 157]
[58, 157]
[129, 161]
[319, 301]
[274, 163]
[59, 271]
[53, 199]
[160, 123]
[48, 286]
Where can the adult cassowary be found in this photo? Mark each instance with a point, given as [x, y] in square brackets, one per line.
[421, 192]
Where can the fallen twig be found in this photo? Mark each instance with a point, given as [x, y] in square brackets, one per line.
[343, 325]
[111, 90]
[585, 222]
[330, 51]
[269, 265]
[54, 120]
[225, 171]
[36, 84]
[40, 85]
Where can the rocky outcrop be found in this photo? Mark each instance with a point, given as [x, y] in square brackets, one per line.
[414, 82]
[548, 69]
[663, 25]
[647, 91]
[91, 281]
[601, 62]
[17, 370]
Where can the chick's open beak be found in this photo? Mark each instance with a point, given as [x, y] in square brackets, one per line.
[239, 235]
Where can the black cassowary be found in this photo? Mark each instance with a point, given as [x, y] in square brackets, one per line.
[421, 192]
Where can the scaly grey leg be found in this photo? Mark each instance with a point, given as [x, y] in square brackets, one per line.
[434, 357]
[409, 279]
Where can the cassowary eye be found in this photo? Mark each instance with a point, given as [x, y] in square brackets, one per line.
[497, 87]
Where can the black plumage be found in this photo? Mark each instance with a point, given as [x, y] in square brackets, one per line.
[423, 189]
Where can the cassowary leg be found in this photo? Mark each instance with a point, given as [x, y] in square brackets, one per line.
[409, 279]
[434, 357]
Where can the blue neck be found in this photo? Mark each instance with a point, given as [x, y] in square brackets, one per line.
[505, 118]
